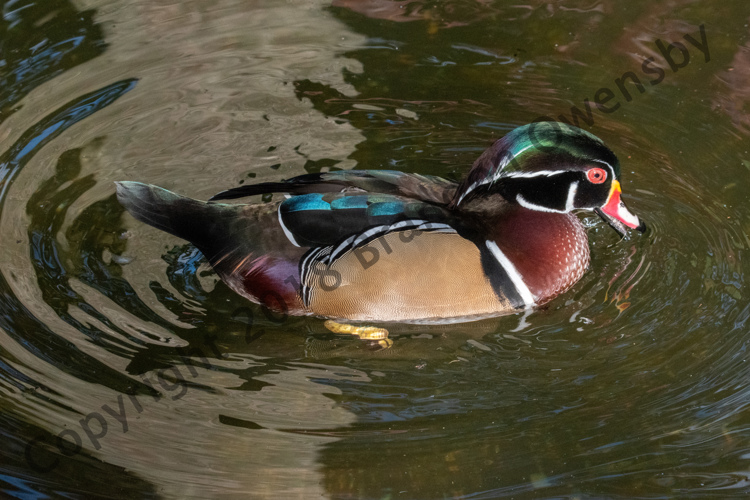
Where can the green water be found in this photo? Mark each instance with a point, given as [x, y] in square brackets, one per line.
[128, 371]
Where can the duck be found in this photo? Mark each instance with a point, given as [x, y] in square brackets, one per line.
[393, 247]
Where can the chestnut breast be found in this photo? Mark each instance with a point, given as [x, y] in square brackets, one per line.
[549, 250]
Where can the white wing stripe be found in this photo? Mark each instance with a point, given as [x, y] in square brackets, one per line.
[288, 233]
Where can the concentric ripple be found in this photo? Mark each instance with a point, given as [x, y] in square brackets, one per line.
[128, 369]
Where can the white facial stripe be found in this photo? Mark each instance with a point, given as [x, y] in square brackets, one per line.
[513, 274]
[537, 173]
[499, 173]
[571, 196]
[288, 233]
[603, 163]
[533, 206]
[611, 168]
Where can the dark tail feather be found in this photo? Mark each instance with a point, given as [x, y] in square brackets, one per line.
[302, 184]
[232, 237]
[165, 210]
[422, 187]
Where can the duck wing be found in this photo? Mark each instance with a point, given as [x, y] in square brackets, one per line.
[258, 249]
[323, 219]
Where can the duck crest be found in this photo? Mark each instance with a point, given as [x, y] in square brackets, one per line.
[533, 150]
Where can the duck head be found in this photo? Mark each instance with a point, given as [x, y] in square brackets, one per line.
[551, 167]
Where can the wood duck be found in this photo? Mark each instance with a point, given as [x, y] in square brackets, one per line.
[388, 246]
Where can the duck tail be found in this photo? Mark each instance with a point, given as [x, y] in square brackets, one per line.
[163, 209]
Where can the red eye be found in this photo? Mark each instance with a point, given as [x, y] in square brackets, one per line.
[596, 175]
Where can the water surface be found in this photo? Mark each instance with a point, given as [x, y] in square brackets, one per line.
[127, 370]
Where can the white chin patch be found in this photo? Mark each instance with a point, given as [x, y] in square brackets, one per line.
[571, 196]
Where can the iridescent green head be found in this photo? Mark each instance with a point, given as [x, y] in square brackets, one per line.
[551, 167]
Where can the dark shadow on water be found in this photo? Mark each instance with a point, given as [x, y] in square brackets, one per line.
[21, 473]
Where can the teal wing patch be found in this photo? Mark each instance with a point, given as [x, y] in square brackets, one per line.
[321, 219]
